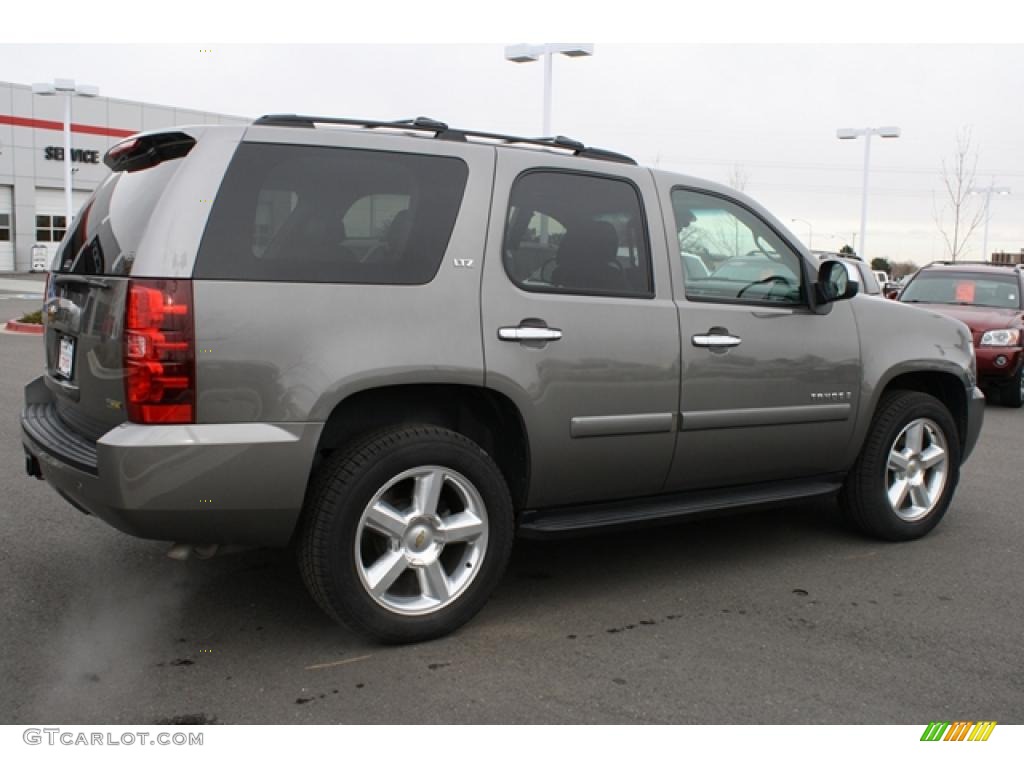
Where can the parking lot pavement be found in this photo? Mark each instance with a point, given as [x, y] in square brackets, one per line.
[22, 285]
[765, 617]
[20, 294]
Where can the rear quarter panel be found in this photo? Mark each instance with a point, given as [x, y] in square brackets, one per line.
[171, 240]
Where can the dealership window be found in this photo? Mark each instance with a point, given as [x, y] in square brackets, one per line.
[50, 229]
[5, 227]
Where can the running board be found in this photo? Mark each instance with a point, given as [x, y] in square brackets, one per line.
[555, 521]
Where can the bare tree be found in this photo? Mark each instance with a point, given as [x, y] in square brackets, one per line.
[960, 213]
[739, 178]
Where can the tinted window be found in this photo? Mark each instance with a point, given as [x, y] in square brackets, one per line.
[729, 254]
[321, 214]
[571, 233]
[975, 289]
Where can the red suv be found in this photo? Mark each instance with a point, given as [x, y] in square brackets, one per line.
[987, 297]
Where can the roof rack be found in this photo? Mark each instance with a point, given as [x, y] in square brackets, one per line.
[443, 132]
[946, 263]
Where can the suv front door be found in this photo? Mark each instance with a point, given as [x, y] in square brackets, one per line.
[769, 388]
[579, 326]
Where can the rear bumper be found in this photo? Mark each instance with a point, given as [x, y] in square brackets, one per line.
[975, 418]
[192, 483]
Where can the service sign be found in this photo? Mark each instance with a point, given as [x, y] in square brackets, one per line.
[77, 155]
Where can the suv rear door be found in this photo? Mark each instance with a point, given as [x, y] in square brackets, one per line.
[579, 328]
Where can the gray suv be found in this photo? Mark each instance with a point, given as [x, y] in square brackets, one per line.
[396, 346]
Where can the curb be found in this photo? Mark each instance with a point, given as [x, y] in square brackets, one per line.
[15, 327]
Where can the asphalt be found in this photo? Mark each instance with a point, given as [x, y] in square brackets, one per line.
[20, 293]
[782, 616]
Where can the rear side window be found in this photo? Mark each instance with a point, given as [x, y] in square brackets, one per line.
[575, 233]
[327, 215]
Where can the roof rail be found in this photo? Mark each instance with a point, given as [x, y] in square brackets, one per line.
[443, 132]
[947, 263]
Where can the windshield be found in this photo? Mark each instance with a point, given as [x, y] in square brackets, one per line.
[964, 288]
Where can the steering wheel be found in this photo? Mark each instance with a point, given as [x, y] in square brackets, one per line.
[770, 279]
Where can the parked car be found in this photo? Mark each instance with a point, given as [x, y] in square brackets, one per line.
[396, 346]
[693, 266]
[987, 298]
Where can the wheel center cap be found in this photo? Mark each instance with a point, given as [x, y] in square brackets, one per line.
[419, 538]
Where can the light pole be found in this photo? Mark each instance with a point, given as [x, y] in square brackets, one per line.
[887, 132]
[68, 88]
[810, 233]
[988, 191]
[525, 53]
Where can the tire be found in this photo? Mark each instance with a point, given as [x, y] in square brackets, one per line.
[385, 552]
[1012, 395]
[934, 469]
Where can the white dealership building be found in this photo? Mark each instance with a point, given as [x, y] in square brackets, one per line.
[32, 202]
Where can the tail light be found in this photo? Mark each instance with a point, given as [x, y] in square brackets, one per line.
[159, 352]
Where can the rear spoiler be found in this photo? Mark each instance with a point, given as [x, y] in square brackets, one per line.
[140, 152]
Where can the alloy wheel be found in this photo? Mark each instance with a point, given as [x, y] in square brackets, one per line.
[915, 475]
[421, 540]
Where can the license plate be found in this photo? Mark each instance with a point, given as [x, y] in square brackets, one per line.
[66, 356]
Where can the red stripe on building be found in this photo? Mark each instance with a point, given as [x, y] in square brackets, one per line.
[53, 125]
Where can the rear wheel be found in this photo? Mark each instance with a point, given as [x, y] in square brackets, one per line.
[406, 534]
[905, 476]
[1012, 394]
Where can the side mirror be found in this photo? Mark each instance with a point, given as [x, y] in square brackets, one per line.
[834, 283]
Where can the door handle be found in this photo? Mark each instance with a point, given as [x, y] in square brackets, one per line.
[716, 340]
[529, 333]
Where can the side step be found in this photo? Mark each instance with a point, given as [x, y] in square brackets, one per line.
[556, 521]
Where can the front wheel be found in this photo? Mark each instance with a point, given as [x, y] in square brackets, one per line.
[907, 471]
[406, 534]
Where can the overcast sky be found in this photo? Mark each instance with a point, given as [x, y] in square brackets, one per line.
[704, 109]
